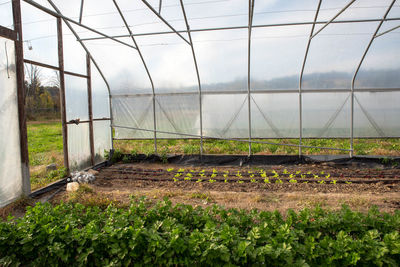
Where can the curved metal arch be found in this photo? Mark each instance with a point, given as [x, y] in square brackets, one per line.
[58, 14]
[301, 77]
[197, 73]
[251, 11]
[356, 72]
[94, 62]
[147, 71]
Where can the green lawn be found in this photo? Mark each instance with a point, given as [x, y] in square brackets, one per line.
[384, 147]
[45, 147]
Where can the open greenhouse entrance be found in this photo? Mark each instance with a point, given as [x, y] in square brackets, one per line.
[44, 125]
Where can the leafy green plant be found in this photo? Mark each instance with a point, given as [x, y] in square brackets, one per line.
[266, 180]
[162, 234]
[293, 181]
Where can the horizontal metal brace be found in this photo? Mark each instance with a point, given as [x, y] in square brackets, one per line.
[229, 139]
[307, 91]
[244, 27]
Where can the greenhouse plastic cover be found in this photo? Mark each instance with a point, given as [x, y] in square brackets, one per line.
[11, 185]
[243, 84]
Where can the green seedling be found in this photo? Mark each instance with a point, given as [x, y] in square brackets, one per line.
[266, 180]
[253, 181]
[170, 169]
[240, 182]
[212, 181]
[213, 175]
[226, 180]
[285, 171]
[293, 181]
[263, 174]
[333, 182]
[302, 176]
[347, 182]
[298, 172]
[291, 176]
[199, 180]
[328, 176]
[321, 182]
[238, 174]
[279, 181]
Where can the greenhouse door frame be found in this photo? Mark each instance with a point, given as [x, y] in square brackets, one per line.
[16, 36]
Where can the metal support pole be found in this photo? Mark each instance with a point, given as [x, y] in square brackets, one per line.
[385, 32]
[251, 8]
[355, 75]
[165, 21]
[62, 93]
[66, 19]
[90, 109]
[159, 7]
[333, 18]
[245, 27]
[198, 77]
[81, 12]
[19, 59]
[301, 80]
[147, 71]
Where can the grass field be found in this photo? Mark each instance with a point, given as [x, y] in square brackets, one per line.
[45, 147]
[384, 147]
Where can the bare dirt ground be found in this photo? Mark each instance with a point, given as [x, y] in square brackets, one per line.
[287, 187]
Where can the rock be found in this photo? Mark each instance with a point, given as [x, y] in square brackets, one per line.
[94, 172]
[51, 167]
[72, 187]
[82, 177]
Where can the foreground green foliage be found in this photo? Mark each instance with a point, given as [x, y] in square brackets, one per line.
[144, 234]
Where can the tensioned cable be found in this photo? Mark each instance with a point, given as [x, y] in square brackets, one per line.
[222, 40]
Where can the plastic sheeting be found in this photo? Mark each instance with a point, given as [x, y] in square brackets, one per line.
[277, 53]
[79, 146]
[11, 186]
[102, 139]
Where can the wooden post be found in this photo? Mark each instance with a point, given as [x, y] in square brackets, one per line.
[62, 93]
[89, 88]
[19, 54]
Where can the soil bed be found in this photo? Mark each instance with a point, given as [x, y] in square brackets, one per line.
[266, 188]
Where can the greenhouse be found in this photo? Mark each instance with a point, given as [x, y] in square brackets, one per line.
[246, 71]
